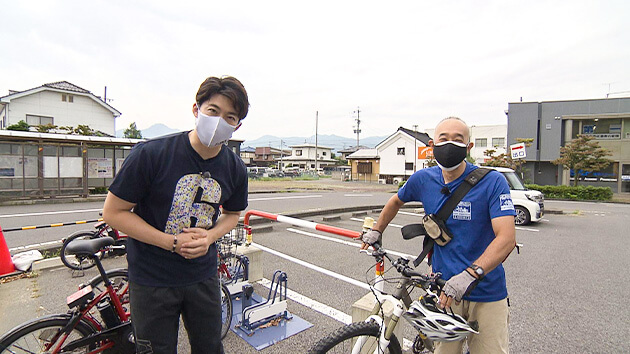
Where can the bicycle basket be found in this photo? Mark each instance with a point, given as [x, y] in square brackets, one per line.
[228, 242]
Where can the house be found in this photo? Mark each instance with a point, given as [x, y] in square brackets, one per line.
[247, 155]
[352, 149]
[401, 154]
[485, 137]
[304, 156]
[365, 165]
[266, 156]
[552, 124]
[58, 103]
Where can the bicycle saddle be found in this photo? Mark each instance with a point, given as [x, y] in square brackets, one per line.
[88, 247]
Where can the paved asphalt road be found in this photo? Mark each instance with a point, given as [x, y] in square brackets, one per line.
[566, 287]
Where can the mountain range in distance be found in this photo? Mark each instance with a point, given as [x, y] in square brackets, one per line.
[328, 140]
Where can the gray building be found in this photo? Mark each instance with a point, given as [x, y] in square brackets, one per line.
[552, 124]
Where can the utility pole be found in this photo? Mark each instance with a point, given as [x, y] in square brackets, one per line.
[357, 129]
[281, 153]
[415, 148]
[316, 154]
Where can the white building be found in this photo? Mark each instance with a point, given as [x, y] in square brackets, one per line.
[485, 137]
[303, 156]
[401, 154]
[58, 103]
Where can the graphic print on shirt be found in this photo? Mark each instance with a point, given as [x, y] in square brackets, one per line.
[506, 202]
[463, 211]
[194, 203]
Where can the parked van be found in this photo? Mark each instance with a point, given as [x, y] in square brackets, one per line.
[529, 204]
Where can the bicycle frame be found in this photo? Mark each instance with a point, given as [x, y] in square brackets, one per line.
[82, 312]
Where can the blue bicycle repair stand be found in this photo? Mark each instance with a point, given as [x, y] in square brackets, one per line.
[261, 322]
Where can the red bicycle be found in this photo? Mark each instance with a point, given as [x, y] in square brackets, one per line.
[98, 319]
[80, 262]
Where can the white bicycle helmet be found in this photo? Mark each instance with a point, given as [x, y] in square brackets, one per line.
[436, 324]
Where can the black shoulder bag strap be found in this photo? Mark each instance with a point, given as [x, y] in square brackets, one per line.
[446, 210]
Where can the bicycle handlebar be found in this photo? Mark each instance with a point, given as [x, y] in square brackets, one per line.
[402, 266]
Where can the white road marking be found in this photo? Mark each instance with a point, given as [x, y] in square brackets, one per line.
[526, 229]
[313, 304]
[408, 213]
[281, 198]
[393, 225]
[34, 245]
[347, 243]
[314, 267]
[51, 213]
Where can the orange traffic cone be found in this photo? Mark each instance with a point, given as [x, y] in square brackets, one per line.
[6, 264]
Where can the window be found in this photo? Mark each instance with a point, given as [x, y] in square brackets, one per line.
[364, 167]
[323, 153]
[498, 142]
[400, 151]
[298, 152]
[70, 98]
[38, 120]
[482, 142]
[408, 166]
[67, 98]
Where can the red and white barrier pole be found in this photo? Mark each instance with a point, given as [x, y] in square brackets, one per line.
[299, 222]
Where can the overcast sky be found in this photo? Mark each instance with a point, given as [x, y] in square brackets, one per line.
[401, 62]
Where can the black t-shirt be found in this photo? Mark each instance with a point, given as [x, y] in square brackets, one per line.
[173, 187]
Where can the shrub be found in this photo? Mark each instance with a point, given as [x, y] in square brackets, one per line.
[574, 193]
[401, 184]
[98, 190]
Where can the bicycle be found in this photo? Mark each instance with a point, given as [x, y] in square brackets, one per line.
[80, 262]
[374, 335]
[96, 322]
[232, 269]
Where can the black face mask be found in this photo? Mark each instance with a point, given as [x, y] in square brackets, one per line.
[449, 154]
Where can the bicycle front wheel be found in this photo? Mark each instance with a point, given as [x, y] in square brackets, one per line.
[44, 334]
[363, 334]
[226, 310]
[78, 262]
[232, 269]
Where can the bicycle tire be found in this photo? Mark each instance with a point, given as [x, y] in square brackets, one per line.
[78, 262]
[31, 336]
[236, 267]
[226, 310]
[342, 340]
[119, 277]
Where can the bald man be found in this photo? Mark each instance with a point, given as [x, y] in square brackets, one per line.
[483, 236]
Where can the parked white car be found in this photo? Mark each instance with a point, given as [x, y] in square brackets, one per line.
[529, 204]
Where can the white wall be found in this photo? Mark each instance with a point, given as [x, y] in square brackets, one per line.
[394, 164]
[84, 110]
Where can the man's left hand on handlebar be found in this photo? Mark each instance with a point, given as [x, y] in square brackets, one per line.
[370, 238]
[456, 288]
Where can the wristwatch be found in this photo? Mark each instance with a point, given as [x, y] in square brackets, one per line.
[478, 270]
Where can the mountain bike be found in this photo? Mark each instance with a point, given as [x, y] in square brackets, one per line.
[98, 319]
[374, 335]
[80, 262]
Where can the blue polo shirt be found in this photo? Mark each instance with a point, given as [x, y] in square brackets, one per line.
[470, 223]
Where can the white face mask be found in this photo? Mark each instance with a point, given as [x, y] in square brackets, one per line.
[213, 131]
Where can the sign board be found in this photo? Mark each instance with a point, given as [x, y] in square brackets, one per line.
[518, 151]
[425, 152]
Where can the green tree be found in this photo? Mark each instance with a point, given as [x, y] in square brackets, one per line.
[84, 130]
[132, 132]
[45, 128]
[583, 154]
[20, 126]
[501, 160]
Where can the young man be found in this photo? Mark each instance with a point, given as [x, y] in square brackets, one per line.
[483, 236]
[166, 197]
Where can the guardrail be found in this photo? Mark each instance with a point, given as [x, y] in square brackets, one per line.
[52, 225]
